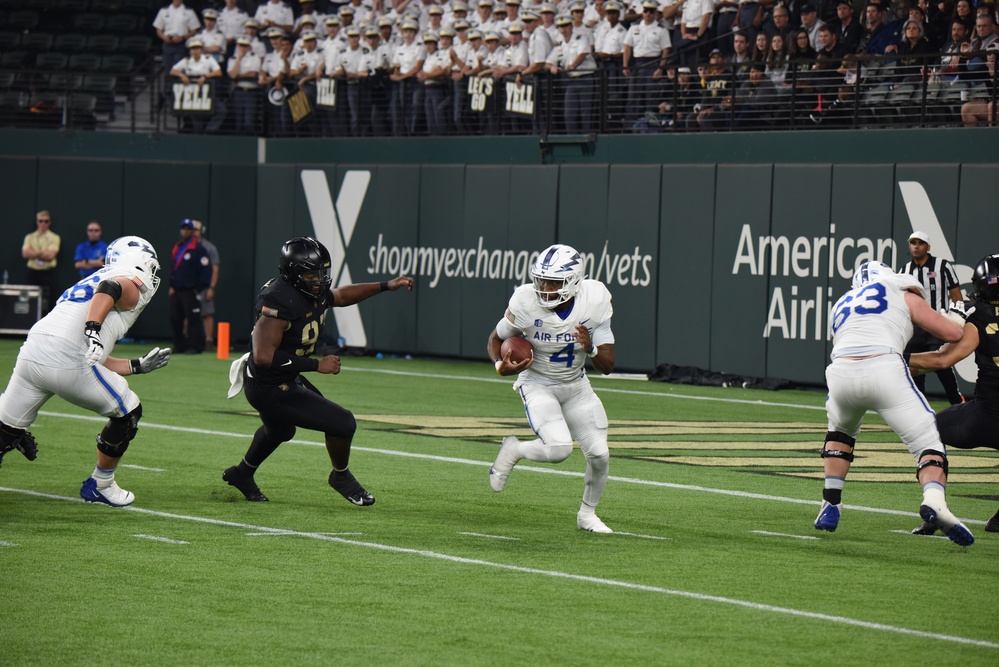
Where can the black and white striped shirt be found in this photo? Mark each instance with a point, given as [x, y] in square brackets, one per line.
[938, 277]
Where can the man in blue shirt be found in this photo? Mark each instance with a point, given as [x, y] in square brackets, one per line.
[190, 274]
[90, 254]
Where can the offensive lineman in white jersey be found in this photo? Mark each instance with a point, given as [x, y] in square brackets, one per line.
[871, 325]
[67, 354]
[566, 319]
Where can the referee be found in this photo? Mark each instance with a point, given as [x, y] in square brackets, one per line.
[938, 277]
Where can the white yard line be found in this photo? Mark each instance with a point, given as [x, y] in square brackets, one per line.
[135, 467]
[536, 469]
[7, 544]
[491, 537]
[157, 538]
[797, 537]
[556, 574]
[644, 537]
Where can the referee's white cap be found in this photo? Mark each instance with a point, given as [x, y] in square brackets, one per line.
[922, 236]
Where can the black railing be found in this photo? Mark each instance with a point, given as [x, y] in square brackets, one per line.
[885, 91]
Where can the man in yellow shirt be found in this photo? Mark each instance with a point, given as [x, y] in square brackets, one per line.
[40, 249]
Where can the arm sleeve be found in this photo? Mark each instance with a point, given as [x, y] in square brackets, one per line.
[505, 329]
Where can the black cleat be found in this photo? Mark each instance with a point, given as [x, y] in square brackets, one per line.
[926, 528]
[347, 486]
[245, 484]
[24, 443]
[992, 526]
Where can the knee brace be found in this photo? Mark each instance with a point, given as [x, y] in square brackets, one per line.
[118, 433]
[932, 462]
[839, 436]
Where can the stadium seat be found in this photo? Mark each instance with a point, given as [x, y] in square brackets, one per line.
[13, 59]
[10, 102]
[9, 40]
[70, 43]
[22, 20]
[102, 43]
[138, 6]
[137, 45]
[64, 81]
[121, 23]
[117, 64]
[88, 22]
[51, 61]
[82, 107]
[37, 41]
[106, 6]
[74, 6]
[84, 62]
[7, 80]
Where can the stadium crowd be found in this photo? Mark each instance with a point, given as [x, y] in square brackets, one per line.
[414, 67]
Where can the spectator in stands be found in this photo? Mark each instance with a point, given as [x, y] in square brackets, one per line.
[406, 62]
[609, 47]
[304, 23]
[933, 39]
[717, 92]
[232, 23]
[810, 21]
[576, 12]
[257, 46]
[465, 62]
[756, 100]
[40, 248]
[679, 100]
[202, 71]
[950, 61]
[848, 30]
[433, 76]
[780, 23]
[749, 17]
[878, 36]
[275, 14]
[912, 52]
[646, 47]
[693, 30]
[985, 32]
[377, 83]
[827, 63]
[803, 62]
[726, 12]
[964, 14]
[304, 70]
[273, 70]
[174, 24]
[244, 71]
[575, 62]
[778, 62]
[547, 22]
[90, 254]
[761, 49]
[975, 112]
[212, 37]
[741, 55]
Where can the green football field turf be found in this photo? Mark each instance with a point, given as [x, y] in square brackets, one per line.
[714, 561]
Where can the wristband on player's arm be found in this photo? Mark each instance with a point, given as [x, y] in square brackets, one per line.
[284, 361]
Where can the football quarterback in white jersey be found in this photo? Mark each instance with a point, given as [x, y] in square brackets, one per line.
[871, 325]
[67, 353]
[567, 319]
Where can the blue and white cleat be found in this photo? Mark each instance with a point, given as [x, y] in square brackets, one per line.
[505, 461]
[949, 524]
[828, 518]
[112, 495]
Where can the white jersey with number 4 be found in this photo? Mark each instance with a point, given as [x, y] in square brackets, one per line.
[57, 340]
[558, 357]
[874, 319]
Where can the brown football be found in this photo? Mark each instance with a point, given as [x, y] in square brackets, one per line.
[518, 347]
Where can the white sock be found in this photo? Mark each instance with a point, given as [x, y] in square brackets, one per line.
[595, 479]
[104, 477]
[535, 450]
[934, 495]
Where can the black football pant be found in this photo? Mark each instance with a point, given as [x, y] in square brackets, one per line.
[185, 306]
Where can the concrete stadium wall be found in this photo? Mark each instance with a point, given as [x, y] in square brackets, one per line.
[727, 265]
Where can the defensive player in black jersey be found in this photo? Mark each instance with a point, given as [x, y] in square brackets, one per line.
[975, 423]
[291, 311]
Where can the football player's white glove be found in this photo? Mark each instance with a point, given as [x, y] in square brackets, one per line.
[95, 348]
[150, 361]
[958, 313]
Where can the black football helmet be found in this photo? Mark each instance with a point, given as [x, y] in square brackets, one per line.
[986, 279]
[305, 255]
